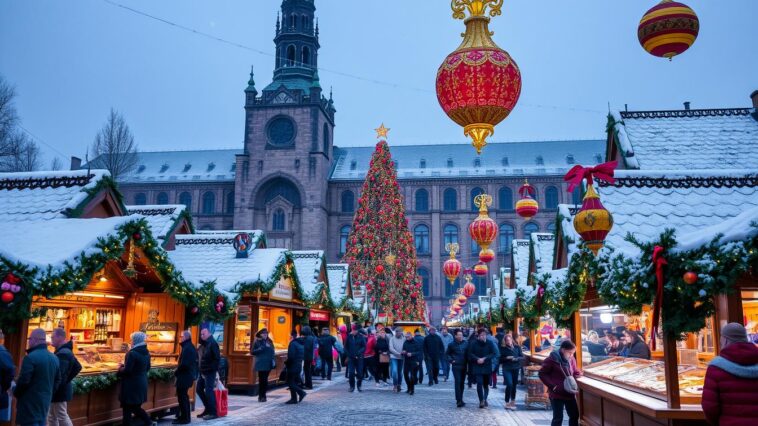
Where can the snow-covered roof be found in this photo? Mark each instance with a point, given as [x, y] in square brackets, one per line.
[646, 203]
[56, 242]
[570, 238]
[543, 248]
[338, 275]
[520, 262]
[206, 258]
[688, 139]
[256, 234]
[738, 228]
[162, 219]
[308, 266]
[502, 159]
[32, 196]
[183, 166]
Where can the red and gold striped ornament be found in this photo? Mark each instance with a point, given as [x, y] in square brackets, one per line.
[452, 266]
[462, 300]
[486, 256]
[469, 288]
[527, 206]
[593, 221]
[481, 269]
[483, 229]
[668, 29]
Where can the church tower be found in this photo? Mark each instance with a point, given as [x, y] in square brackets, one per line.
[281, 177]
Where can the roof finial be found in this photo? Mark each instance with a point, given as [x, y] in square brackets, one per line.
[251, 82]
[277, 22]
[316, 27]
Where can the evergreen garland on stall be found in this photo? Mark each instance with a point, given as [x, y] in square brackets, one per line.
[85, 384]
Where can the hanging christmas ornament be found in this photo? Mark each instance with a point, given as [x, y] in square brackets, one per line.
[7, 297]
[478, 84]
[593, 221]
[689, 277]
[452, 267]
[480, 269]
[137, 236]
[483, 229]
[195, 310]
[527, 206]
[668, 29]
[469, 288]
[462, 300]
[486, 256]
[379, 269]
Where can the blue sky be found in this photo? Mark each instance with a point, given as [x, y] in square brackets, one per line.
[72, 61]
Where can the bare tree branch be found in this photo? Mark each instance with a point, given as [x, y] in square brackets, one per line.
[8, 117]
[23, 154]
[56, 164]
[114, 147]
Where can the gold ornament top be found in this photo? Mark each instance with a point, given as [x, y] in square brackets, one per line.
[475, 7]
[452, 248]
[483, 201]
[381, 132]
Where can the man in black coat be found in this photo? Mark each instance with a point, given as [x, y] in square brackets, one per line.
[294, 363]
[480, 356]
[355, 346]
[133, 375]
[69, 367]
[456, 355]
[421, 356]
[186, 373]
[412, 348]
[309, 344]
[434, 349]
[210, 357]
[325, 351]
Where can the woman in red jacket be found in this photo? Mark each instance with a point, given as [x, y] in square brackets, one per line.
[730, 393]
[559, 365]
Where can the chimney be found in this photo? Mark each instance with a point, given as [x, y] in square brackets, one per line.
[76, 163]
[687, 106]
[754, 97]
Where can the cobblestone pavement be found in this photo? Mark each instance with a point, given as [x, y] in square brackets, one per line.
[330, 403]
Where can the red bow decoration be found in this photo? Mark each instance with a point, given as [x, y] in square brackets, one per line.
[603, 172]
[658, 261]
[526, 190]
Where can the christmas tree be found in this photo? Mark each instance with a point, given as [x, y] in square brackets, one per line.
[380, 248]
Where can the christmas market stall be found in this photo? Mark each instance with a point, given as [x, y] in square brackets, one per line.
[260, 285]
[341, 290]
[310, 267]
[71, 258]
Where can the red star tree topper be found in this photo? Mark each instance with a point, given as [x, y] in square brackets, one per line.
[380, 235]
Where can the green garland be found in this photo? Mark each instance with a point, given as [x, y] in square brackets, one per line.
[85, 384]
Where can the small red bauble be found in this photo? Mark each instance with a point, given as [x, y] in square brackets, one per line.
[690, 277]
[195, 310]
[379, 269]
[7, 297]
[137, 236]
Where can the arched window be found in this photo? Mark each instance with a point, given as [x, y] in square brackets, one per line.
[326, 139]
[344, 234]
[551, 197]
[474, 193]
[186, 199]
[230, 203]
[421, 237]
[278, 187]
[306, 56]
[450, 200]
[422, 200]
[424, 275]
[348, 201]
[290, 55]
[449, 235]
[277, 222]
[505, 199]
[505, 238]
[551, 227]
[140, 199]
[530, 228]
[576, 196]
[162, 198]
[292, 21]
[209, 203]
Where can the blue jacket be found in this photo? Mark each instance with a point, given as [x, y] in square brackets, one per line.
[355, 346]
[456, 353]
[38, 378]
[263, 351]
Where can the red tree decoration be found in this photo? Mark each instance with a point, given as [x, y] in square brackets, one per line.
[380, 229]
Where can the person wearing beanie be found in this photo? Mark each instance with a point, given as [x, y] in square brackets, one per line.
[355, 347]
[730, 397]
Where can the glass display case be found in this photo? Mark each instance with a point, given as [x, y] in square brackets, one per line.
[243, 329]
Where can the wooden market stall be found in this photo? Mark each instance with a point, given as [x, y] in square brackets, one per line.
[341, 292]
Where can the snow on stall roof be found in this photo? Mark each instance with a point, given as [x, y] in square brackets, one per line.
[204, 258]
[31, 196]
[543, 247]
[255, 234]
[183, 166]
[738, 228]
[308, 265]
[338, 275]
[688, 139]
[58, 241]
[503, 159]
[160, 218]
[649, 202]
[521, 262]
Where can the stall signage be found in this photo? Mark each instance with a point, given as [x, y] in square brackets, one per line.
[282, 291]
[319, 316]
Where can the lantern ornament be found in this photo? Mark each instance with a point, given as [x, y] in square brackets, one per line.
[469, 288]
[527, 206]
[462, 300]
[478, 84]
[452, 267]
[483, 229]
[481, 269]
[593, 221]
[668, 29]
[486, 256]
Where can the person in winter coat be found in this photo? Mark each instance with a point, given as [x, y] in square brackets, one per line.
[355, 347]
[69, 368]
[456, 354]
[510, 357]
[382, 349]
[447, 339]
[397, 359]
[339, 347]
[636, 348]
[411, 350]
[343, 355]
[421, 356]
[185, 373]
[265, 361]
[294, 363]
[36, 382]
[730, 392]
[7, 373]
[556, 367]
[434, 349]
[326, 344]
[480, 355]
[369, 355]
[309, 343]
[133, 375]
[210, 356]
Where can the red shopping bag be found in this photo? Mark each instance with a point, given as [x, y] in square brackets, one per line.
[222, 399]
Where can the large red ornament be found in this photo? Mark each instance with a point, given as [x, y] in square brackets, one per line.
[452, 267]
[527, 206]
[668, 29]
[7, 297]
[479, 83]
[690, 277]
[469, 289]
[379, 269]
[483, 229]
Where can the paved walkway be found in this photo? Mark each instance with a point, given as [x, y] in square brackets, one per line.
[330, 403]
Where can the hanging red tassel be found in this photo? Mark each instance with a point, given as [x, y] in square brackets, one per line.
[658, 261]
